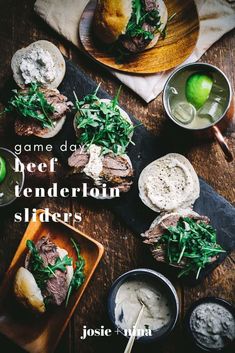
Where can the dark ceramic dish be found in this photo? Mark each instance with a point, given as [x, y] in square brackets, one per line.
[161, 282]
[192, 339]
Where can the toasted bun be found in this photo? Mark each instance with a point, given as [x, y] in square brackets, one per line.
[69, 274]
[27, 291]
[55, 54]
[169, 183]
[52, 131]
[111, 19]
[123, 114]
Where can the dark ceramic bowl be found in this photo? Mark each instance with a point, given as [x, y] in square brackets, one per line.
[192, 339]
[161, 282]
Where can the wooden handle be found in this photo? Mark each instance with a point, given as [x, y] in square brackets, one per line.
[223, 144]
[132, 338]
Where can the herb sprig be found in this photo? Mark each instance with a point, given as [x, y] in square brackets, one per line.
[78, 276]
[31, 104]
[41, 272]
[102, 124]
[191, 244]
[139, 17]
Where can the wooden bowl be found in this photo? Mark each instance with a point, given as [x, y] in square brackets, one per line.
[181, 39]
[41, 334]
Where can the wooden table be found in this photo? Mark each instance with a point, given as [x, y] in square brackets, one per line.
[19, 26]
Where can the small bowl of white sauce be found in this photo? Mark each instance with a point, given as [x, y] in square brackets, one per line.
[159, 298]
[210, 324]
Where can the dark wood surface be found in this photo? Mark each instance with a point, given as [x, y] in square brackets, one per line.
[19, 26]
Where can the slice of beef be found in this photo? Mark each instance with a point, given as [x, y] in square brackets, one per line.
[27, 126]
[138, 43]
[59, 101]
[47, 250]
[78, 159]
[116, 172]
[116, 168]
[56, 287]
[150, 5]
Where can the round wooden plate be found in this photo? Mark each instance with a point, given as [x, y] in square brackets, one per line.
[181, 39]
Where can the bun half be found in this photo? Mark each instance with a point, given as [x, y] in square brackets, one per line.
[111, 19]
[57, 58]
[169, 183]
[27, 291]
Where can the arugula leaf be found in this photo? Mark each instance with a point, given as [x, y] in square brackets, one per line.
[102, 124]
[31, 104]
[41, 272]
[78, 276]
[191, 244]
[139, 17]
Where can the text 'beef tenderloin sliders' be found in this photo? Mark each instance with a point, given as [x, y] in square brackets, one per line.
[135, 25]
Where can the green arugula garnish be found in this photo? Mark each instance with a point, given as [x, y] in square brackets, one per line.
[139, 17]
[191, 244]
[78, 276]
[102, 124]
[31, 104]
[43, 273]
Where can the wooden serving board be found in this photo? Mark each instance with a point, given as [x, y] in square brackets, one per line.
[181, 39]
[41, 334]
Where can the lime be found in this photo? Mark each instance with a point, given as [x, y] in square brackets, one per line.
[198, 88]
[3, 170]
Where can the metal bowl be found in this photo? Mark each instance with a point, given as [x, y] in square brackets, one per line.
[195, 67]
[161, 281]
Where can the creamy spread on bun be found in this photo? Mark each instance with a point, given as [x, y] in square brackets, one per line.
[169, 183]
[170, 186]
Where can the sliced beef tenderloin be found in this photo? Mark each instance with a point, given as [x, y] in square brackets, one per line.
[153, 235]
[58, 101]
[150, 5]
[155, 232]
[116, 168]
[27, 127]
[47, 250]
[79, 159]
[116, 172]
[56, 287]
[137, 43]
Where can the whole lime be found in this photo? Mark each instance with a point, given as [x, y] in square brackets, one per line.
[3, 170]
[198, 88]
